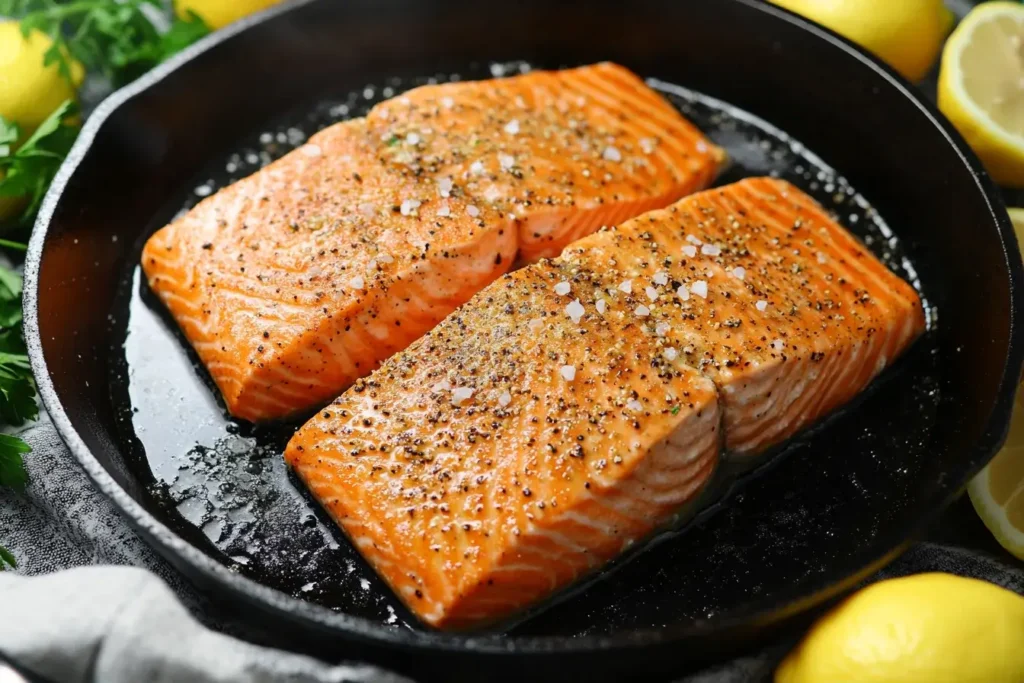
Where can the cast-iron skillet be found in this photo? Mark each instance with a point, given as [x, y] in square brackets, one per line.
[213, 497]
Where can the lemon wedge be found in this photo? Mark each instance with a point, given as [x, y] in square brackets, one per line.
[997, 492]
[925, 628]
[981, 87]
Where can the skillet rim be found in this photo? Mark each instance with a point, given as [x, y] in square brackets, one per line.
[758, 613]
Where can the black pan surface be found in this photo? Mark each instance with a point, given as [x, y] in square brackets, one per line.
[213, 495]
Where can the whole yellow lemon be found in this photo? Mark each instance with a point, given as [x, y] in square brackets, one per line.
[906, 34]
[925, 628]
[29, 91]
[220, 13]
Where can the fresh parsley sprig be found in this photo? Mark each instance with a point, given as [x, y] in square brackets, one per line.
[17, 390]
[115, 38]
[26, 171]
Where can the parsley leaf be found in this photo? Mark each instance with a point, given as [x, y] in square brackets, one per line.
[180, 34]
[115, 38]
[10, 300]
[6, 559]
[12, 467]
[17, 390]
[28, 170]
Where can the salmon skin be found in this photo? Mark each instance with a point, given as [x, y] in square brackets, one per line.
[574, 405]
[301, 278]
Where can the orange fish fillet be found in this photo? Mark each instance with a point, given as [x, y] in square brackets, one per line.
[296, 281]
[574, 405]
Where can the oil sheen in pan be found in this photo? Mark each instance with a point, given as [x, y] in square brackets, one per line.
[223, 485]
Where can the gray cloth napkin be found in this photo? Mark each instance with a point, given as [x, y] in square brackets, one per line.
[115, 624]
[142, 622]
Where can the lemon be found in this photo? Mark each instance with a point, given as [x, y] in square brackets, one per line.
[220, 13]
[981, 87]
[997, 492]
[906, 34]
[29, 91]
[925, 628]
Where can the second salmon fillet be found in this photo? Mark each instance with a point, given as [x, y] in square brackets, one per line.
[575, 405]
[294, 282]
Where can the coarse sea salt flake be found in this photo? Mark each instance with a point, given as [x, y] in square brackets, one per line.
[512, 127]
[506, 161]
[601, 306]
[683, 293]
[568, 372]
[710, 250]
[700, 288]
[563, 288]
[661, 329]
[778, 344]
[447, 102]
[472, 211]
[357, 282]
[461, 395]
[385, 258]
[412, 139]
[642, 311]
[444, 187]
[476, 168]
[739, 272]
[660, 278]
[504, 399]
[648, 145]
[611, 154]
[312, 150]
[575, 310]
[536, 324]
[671, 353]
[409, 207]
[444, 210]
[626, 286]
[634, 405]
[443, 385]
[693, 240]
[761, 305]
[651, 293]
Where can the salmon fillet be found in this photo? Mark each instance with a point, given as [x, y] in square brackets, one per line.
[574, 405]
[296, 281]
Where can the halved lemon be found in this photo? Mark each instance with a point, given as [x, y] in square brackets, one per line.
[981, 87]
[997, 493]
